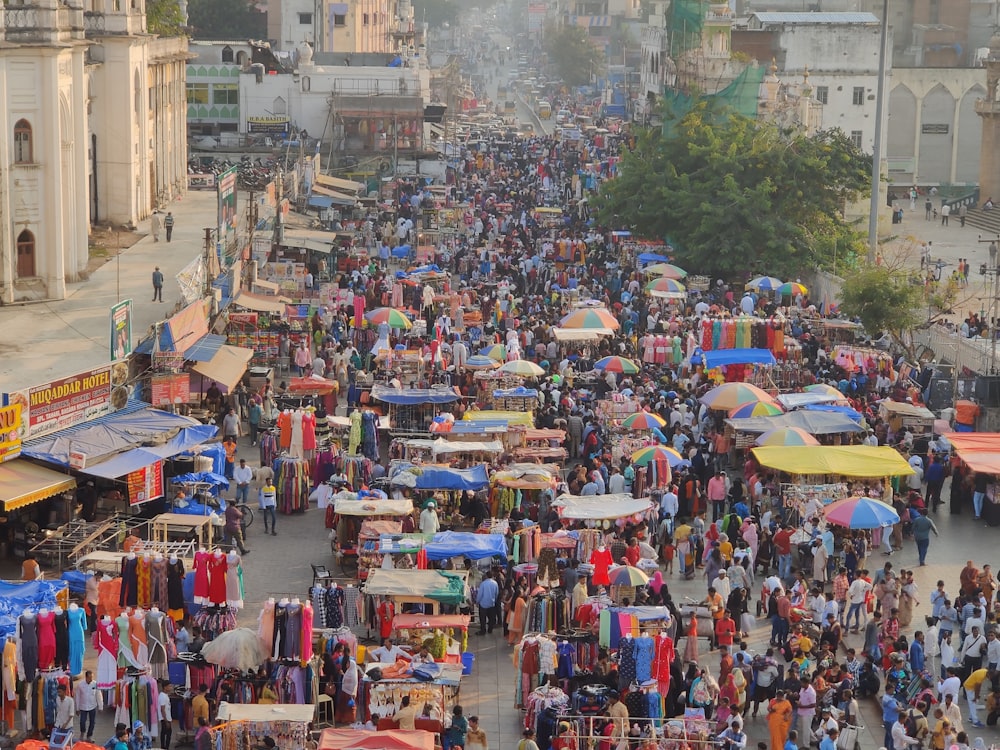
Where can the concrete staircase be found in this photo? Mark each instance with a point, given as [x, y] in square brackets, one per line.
[988, 221]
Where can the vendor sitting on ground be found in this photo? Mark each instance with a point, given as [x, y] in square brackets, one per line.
[388, 653]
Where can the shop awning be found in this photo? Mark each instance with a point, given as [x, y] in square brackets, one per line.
[204, 348]
[227, 366]
[320, 201]
[723, 357]
[599, 507]
[301, 713]
[980, 450]
[447, 587]
[581, 334]
[337, 183]
[525, 418]
[260, 303]
[423, 622]
[23, 483]
[351, 506]
[838, 460]
[447, 544]
[340, 199]
[442, 478]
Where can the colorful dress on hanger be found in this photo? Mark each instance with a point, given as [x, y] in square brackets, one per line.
[200, 577]
[106, 644]
[139, 639]
[46, 639]
[309, 431]
[601, 560]
[160, 581]
[217, 567]
[27, 640]
[284, 423]
[234, 581]
[145, 583]
[76, 626]
[62, 639]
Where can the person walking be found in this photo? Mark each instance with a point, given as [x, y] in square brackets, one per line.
[164, 710]
[928, 208]
[243, 475]
[254, 414]
[156, 225]
[88, 699]
[922, 527]
[168, 225]
[962, 213]
[157, 284]
[65, 714]
[487, 597]
[945, 213]
[234, 530]
[268, 503]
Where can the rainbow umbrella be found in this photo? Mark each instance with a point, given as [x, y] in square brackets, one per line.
[792, 288]
[597, 317]
[824, 389]
[756, 409]
[522, 367]
[861, 513]
[764, 284]
[643, 420]
[496, 351]
[665, 270]
[666, 288]
[394, 318]
[479, 362]
[626, 575]
[729, 396]
[787, 436]
[617, 364]
[644, 456]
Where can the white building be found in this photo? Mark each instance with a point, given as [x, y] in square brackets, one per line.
[93, 130]
[839, 51]
[350, 27]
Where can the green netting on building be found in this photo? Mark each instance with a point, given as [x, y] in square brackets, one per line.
[742, 96]
[686, 19]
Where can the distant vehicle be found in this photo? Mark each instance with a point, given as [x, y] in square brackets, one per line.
[544, 110]
[563, 116]
[526, 128]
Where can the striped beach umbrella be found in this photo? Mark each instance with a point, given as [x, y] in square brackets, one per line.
[495, 351]
[479, 362]
[787, 436]
[523, 367]
[596, 317]
[764, 284]
[617, 364]
[729, 396]
[756, 409]
[644, 456]
[393, 317]
[792, 288]
[665, 270]
[643, 420]
[666, 288]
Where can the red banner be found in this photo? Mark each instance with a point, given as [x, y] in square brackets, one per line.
[145, 484]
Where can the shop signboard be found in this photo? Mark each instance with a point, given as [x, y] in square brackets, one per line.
[145, 484]
[170, 390]
[271, 125]
[243, 319]
[226, 193]
[10, 432]
[64, 402]
[121, 330]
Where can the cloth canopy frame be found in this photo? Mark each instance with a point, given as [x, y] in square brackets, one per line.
[600, 507]
[262, 304]
[414, 396]
[430, 622]
[813, 422]
[840, 460]
[979, 450]
[362, 739]
[372, 507]
[227, 366]
[23, 483]
[448, 544]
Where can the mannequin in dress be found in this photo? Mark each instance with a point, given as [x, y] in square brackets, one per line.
[295, 447]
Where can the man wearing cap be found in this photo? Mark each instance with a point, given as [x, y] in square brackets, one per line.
[157, 284]
[429, 523]
[827, 724]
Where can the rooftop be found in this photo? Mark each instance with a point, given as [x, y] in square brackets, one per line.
[776, 17]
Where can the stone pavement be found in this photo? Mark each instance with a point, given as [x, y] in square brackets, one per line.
[43, 341]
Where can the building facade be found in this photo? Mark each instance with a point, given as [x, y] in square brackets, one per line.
[94, 131]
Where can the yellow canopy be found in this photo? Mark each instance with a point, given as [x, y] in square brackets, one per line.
[512, 417]
[23, 483]
[841, 460]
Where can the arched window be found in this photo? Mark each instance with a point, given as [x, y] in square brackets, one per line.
[241, 58]
[25, 254]
[227, 54]
[22, 142]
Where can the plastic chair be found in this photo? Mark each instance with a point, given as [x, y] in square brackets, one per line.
[61, 739]
[324, 711]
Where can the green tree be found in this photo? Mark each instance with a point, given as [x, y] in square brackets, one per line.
[883, 299]
[736, 195]
[164, 17]
[226, 19]
[574, 55]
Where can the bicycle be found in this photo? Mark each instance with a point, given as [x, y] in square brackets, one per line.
[247, 520]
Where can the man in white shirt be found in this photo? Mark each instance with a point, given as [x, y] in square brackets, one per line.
[388, 653]
[165, 712]
[429, 523]
[88, 699]
[722, 585]
[668, 503]
[243, 476]
[951, 685]
[65, 710]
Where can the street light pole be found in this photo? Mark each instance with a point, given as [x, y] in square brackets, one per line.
[877, 145]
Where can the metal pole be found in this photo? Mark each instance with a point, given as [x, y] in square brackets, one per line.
[877, 145]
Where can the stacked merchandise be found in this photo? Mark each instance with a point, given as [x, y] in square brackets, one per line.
[293, 484]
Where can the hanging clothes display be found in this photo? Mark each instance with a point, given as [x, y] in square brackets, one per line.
[601, 560]
[293, 486]
[159, 583]
[137, 696]
[369, 435]
[157, 638]
[41, 694]
[130, 581]
[234, 581]
[268, 448]
[175, 588]
[354, 437]
[218, 568]
[27, 645]
[46, 622]
[106, 645]
[215, 620]
[295, 449]
[76, 636]
[61, 624]
[200, 577]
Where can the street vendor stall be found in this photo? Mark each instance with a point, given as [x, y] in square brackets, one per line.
[901, 416]
[437, 632]
[526, 487]
[384, 739]
[836, 460]
[359, 523]
[244, 725]
[428, 588]
[382, 698]
[413, 409]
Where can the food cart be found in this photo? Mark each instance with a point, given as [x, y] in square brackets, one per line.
[901, 416]
[246, 724]
[359, 522]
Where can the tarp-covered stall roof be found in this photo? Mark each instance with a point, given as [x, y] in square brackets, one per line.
[723, 357]
[414, 396]
[446, 544]
[839, 460]
[598, 507]
[795, 400]
[442, 478]
[133, 460]
[813, 422]
[423, 622]
[361, 739]
[370, 506]
[980, 450]
[261, 303]
[447, 587]
[227, 366]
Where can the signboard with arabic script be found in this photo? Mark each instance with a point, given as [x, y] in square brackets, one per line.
[145, 484]
[64, 402]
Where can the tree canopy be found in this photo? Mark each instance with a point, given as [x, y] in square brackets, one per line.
[736, 195]
[883, 299]
[226, 19]
[574, 55]
[164, 17]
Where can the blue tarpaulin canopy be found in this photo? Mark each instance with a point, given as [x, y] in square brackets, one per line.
[447, 544]
[847, 411]
[519, 392]
[441, 478]
[400, 251]
[133, 460]
[151, 430]
[723, 357]
[17, 597]
[414, 396]
[652, 258]
[320, 201]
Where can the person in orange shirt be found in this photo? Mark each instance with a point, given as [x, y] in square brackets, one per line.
[229, 445]
[717, 606]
